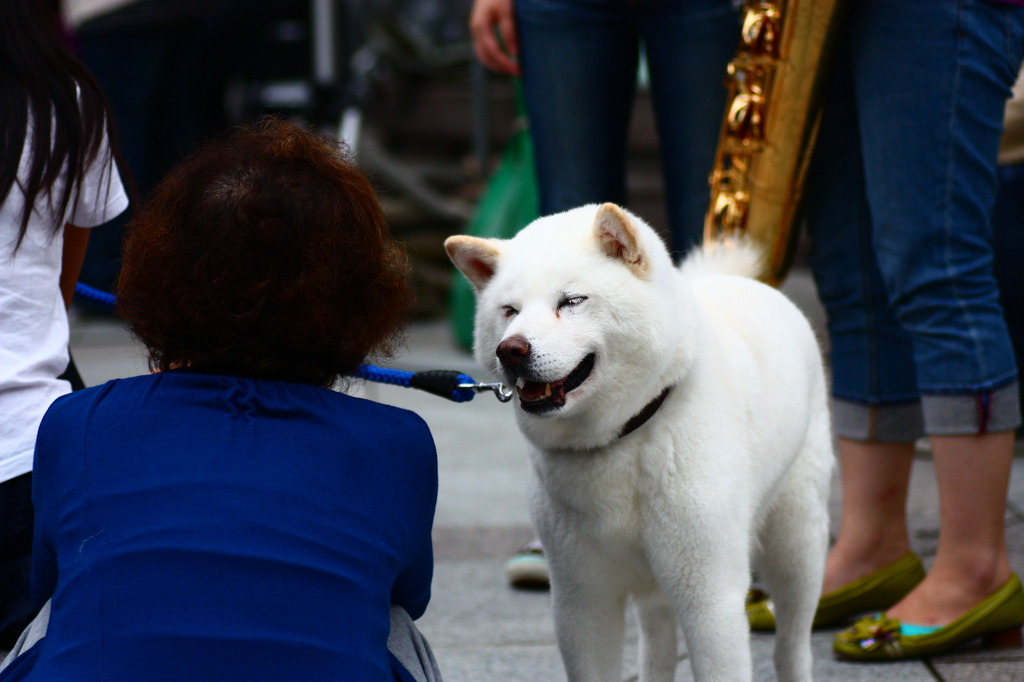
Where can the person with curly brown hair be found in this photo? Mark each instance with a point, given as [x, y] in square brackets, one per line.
[228, 516]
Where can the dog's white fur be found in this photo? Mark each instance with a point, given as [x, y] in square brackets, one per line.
[734, 466]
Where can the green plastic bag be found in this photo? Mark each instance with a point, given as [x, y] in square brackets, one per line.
[508, 203]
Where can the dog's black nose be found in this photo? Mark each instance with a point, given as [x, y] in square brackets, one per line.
[512, 351]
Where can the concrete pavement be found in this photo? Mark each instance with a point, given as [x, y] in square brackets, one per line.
[483, 631]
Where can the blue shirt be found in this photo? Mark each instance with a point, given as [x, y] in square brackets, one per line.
[199, 527]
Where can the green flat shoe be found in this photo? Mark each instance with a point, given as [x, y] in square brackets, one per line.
[760, 611]
[996, 621]
[876, 591]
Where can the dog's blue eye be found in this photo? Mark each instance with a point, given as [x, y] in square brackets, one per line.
[509, 311]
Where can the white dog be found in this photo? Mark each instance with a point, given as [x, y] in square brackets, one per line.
[679, 426]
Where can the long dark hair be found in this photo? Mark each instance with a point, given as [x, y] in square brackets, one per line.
[43, 86]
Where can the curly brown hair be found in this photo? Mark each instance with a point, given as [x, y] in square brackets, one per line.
[265, 253]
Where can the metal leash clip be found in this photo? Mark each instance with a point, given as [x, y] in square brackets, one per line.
[501, 391]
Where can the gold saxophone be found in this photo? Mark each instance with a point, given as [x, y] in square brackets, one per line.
[776, 86]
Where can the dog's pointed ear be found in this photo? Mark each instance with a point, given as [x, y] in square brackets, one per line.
[619, 239]
[477, 258]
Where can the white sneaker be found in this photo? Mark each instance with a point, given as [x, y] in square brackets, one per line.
[528, 568]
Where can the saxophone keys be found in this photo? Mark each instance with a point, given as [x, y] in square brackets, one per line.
[745, 118]
[729, 212]
[762, 28]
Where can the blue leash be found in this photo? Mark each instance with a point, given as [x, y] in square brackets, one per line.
[446, 383]
[100, 298]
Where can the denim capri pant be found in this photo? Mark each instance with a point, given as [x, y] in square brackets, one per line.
[899, 203]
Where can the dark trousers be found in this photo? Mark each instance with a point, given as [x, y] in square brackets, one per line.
[16, 524]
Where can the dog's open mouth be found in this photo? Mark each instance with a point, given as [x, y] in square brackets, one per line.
[536, 396]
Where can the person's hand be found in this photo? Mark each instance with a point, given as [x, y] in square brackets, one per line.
[489, 20]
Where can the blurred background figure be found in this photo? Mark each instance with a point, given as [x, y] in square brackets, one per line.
[178, 72]
[137, 51]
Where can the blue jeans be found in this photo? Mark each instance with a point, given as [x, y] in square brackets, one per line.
[579, 62]
[899, 206]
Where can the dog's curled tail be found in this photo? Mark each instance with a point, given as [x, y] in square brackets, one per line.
[733, 255]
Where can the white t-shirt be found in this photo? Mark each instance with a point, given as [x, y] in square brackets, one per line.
[33, 321]
[81, 11]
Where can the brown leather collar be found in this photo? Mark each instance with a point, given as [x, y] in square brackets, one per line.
[641, 417]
